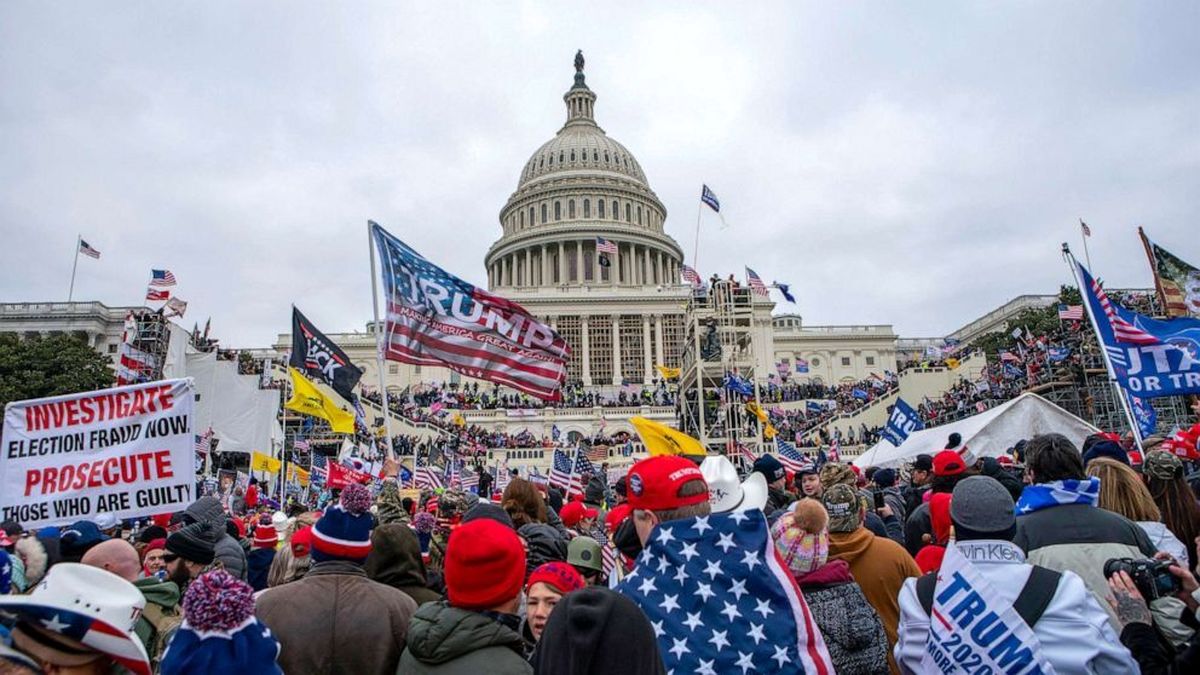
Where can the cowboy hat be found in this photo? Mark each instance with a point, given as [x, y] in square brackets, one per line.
[726, 493]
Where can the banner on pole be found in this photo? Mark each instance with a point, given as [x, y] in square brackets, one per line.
[127, 451]
[341, 476]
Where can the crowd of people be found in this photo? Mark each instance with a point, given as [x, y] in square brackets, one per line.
[574, 395]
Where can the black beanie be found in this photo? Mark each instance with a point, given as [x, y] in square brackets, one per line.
[196, 542]
[597, 630]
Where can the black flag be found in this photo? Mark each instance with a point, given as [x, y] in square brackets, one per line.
[317, 356]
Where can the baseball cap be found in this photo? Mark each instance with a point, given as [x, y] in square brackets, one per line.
[654, 483]
[948, 463]
[844, 506]
[573, 512]
[769, 467]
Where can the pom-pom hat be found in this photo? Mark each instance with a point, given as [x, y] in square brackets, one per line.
[344, 531]
[220, 632]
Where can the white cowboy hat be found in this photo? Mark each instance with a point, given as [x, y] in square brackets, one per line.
[88, 606]
[726, 493]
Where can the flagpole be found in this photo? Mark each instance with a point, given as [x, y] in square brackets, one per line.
[387, 413]
[695, 246]
[74, 266]
[1112, 377]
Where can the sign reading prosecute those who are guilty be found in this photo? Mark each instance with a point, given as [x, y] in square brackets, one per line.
[127, 451]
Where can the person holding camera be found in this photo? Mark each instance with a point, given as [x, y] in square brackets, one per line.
[1154, 654]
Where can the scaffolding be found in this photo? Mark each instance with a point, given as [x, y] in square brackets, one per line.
[719, 342]
[151, 336]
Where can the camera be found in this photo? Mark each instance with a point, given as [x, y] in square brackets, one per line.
[1152, 578]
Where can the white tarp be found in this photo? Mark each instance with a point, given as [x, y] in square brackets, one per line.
[988, 434]
[242, 416]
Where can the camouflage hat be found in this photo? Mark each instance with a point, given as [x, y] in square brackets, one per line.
[845, 507]
[453, 502]
[834, 473]
[1162, 465]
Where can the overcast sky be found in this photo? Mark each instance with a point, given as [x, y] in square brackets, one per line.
[911, 163]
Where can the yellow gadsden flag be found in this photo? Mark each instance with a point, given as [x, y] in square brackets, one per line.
[756, 410]
[661, 439]
[952, 363]
[297, 474]
[261, 462]
[307, 399]
[669, 373]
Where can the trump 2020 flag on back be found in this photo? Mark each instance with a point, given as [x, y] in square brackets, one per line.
[720, 600]
[434, 318]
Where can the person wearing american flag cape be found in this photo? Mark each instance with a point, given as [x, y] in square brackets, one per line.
[713, 586]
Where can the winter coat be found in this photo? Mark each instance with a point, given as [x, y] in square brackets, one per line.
[258, 566]
[448, 640]
[880, 566]
[229, 552]
[993, 469]
[336, 620]
[544, 544]
[395, 560]
[914, 496]
[853, 632]
[32, 557]
[554, 521]
[777, 500]
[163, 614]
[1164, 540]
[1073, 631]
[919, 524]
[1081, 538]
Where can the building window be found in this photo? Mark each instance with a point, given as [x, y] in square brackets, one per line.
[589, 264]
[569, 330]
[587, 208]
[543, 214]
[112, 348]
[557, 211]
[870, 360]
[571, 209]
[595, 156]
[615, 212]
[560, 156]
[416, 371]
[522, 219]
[633, 365]
[639, 215]
[393, 369]
[531, 216]
[600, 208]
[845, 360]
[572, 154]
[628, 213]
[816, 361]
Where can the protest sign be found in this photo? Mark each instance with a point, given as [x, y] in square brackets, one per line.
[127, 451]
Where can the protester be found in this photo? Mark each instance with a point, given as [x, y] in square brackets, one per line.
[292, 561]
[1153, 656]
[79, 619]
[929, 558]
[395, 560]
[881, 522]
[78, 538]
[545, 588]
[1163, 472]
[878, 564]
[152, 557]
[191, 551]
[161, 614]
[810, 481]
[336, 604]
[773, 471]
[476, 629]
[523, 503]
[948, 468]
[919, 476]
[884, 481]
[1059, 524]
[31, 556]
[228, 551]
[578, 518]
[1122, 491]
[596, 631]
[851, 627]
[262, 554]
[587, 557]
[1073, 631]
[726, 492]
[220, 632]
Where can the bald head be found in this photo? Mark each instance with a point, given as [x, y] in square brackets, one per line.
[117, 556]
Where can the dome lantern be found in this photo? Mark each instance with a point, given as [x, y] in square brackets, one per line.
[580, 100]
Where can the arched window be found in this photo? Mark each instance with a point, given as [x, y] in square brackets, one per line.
[531, 216]
[560, 156]
[615, 212]
[572, 154]
[551, 160]
[599, 208]
[595, 155]
[587, 208]
[571, 209]
[522, 219]
[628, 213]
[639, 215]
[542, 163]
[558, 210]
[606, 157]
[543, 213]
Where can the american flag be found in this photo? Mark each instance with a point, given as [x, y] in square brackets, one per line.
[469, 479]
[437, 319]
[1009, 356]
[301, 444]
[318, 468]
[835, 447]
[709, 197]
[756, 283]
[162, 278]
[87, 250]
[563, 473]
[204, 441]
[605, 246]
[156, 295]
[608, 557]
[1070, 312]
[1123, 330]
[690, 276]
[791, 458]
[537, 478]
[427, 476]
[502, 477]
[1087, 231]
[584, 466]
[721, 601]
[597, 453]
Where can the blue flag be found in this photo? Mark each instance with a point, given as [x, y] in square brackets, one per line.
[783, 288]
[860, 394]
[709, 197]
[813, 406]
[736, 384]
[1145, 415]
[1149, 358]
[1012, 372]
[903, 421]
[1056, 354]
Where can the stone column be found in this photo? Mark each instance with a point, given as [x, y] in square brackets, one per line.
[562, 264]
[615, 320]
[587, 355]
[648, 376]
[545, 280]
[658, 342]
[579, 262]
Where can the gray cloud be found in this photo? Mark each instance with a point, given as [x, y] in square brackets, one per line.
[914, 164]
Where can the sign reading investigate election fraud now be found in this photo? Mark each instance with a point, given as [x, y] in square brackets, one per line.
[127, 451]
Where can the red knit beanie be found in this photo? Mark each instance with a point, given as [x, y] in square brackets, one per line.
[484, 565]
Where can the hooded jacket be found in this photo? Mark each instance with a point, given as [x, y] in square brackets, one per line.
[880, 566]
[853, 632]
[336, 620]
[229, 552]
[596, 630]
[165, 595]
[395, 560]
[1074, 631]
[544, 544]
[445, 639]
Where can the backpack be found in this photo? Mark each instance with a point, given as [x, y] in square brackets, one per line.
[851, 627]
[165, 621]
[1030, 604]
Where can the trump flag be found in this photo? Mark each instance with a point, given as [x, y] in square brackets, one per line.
[434, 318]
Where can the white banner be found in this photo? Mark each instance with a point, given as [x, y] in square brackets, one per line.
[127, 451]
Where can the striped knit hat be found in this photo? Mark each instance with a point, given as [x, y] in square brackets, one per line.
[344, 531]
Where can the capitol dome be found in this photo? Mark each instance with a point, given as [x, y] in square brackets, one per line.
[583, 213]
